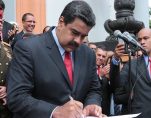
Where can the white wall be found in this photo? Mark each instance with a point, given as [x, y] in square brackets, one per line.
[10, 10]
[53, 10]
[141, 11]
[101, 9]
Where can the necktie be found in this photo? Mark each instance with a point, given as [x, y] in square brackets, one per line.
[98, 70]
[150, 66]
[68, 64]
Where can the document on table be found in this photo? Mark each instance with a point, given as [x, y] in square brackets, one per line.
[120, 116]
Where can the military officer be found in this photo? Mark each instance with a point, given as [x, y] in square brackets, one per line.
[5, 57]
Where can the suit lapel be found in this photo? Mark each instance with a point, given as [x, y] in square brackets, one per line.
[143, 71]
[20, 35]
[77, 67]
[54, 53]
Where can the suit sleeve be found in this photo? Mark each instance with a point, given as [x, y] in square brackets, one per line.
[14, 41]
[17, 37]
[119, 83]
[114, 73]
[94, 94]
[20, 85]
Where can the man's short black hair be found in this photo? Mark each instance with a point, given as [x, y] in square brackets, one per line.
[78, 9]
[2, 4]
[102, 47]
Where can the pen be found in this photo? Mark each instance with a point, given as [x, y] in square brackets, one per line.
[70, 97]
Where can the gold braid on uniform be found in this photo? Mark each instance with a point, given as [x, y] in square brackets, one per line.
[7, 49]
[5, 58]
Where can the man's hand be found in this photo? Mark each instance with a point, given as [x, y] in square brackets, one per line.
[105, 71]
[93, 110]
[71, 109]
[11, 33]
[119, 51]
[110, 54]
[2, 92]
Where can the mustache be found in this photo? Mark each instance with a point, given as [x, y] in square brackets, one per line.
[74, 44]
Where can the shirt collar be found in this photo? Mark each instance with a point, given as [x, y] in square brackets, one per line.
[61, 50]
[146, 59]
[26, 31]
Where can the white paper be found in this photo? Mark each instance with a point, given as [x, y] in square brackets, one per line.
[91, 117]
[120, 116]
[125, 116]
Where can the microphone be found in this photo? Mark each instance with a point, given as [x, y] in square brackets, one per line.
[128, 39]
[118, 33]
[133, 41]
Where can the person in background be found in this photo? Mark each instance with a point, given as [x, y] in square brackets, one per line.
[13, 32]
[101, 58]
[86, 40]
[5, 57]
[15, 26]
[56, 60]
[135, 92]
[102, 71]
[92, 46]
[28, 21]
[7, 31]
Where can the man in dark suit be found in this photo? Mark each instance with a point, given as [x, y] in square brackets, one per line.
[103, 71]
[135, 91]
[28, 21]
[40, 86]
[7, 27]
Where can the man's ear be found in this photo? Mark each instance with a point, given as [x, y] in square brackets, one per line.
[61, 21]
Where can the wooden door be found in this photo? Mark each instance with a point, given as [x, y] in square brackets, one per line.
[37, 8]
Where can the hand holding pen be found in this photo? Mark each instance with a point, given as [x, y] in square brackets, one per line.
[71, 109]
[91, 110]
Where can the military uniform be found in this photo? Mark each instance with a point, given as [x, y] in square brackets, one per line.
[5, 57]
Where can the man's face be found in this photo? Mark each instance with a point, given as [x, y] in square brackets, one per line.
[144, 38]
[100, 57]
[29, 23]
[1, 12]
[1, 27]
[71, 35]
[92, 46]
[85, 41]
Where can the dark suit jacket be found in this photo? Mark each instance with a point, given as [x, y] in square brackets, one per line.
[6, 27]
[141, 82]
[38, 80]
[106, 96]
[16, 38]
